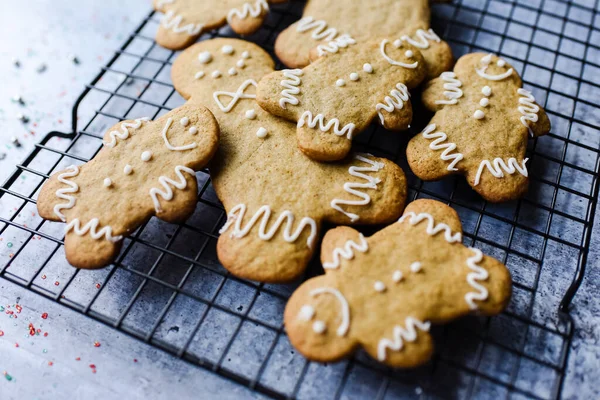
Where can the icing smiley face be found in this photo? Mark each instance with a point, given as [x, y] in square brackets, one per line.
[493, 71]
[179, 130]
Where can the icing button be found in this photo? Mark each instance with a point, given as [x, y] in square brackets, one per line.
[251, 114]
[146, 156]
[107, 182]
[261, 133]
[232, 71]
[199, 75]
[127, 170]
[340, 83]
[241, 64]
[227, 49]
[379, 286]
[216, 74]
[354, 76]
[205, 57]
[245, 55]
[478, 114]
[415, 267]
[306, 312]
[409, 53]
[487, 91]
[397, 276]
[484, 102]
[368, 68]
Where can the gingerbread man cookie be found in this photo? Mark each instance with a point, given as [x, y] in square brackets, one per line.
[276, 198]
[328, 24]
[339, 95]
[482, 122]
[384, 292]
[145, 168]
[185, 20]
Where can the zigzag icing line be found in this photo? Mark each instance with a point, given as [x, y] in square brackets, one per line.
[319, 27]
[401, 335]
[452, 88]
[422, 38]
[124, 134]
[166, 182]
[441, 137]
[346, 252]
[432, 229]
[173, 22]
[92, 228]
[473, 279]
[307, 119]
[236, 215]
[395, 101]
[528, 108]
[354, 187]
[70, 172]
[288, 95]
[497, 168]
[335, 45]
[248, 10]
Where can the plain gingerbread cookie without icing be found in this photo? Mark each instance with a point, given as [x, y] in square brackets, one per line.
[482, 123]
[185, 20]
[145, 168]
[384, 292]
[275, 197]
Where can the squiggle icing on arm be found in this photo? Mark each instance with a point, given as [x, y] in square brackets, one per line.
[319, 119]
[389, 59]
[335, 45]
[393, 102]
[452, 87]
[423, 38]
[92, 228]
[473, 278]
[248, 10]
[173, 22]
[401, 335]
[70, 172]
[351, 187]
[167, 193]
[291, 85]
[432, 229]
[528, 108]
[497, 166]
[236, 215]
[346, 252]
[319, 27]
[124, 134]
[441, 137]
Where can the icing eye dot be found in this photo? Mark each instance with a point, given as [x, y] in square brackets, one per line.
[216, 74]
[397, 43]
[261, 133]
[501, 63]
[368, 68]
[306, 312]
[251, 114]
[245, 55]
[193, 130]
[379, 286]
[240, 64]
[397, 276]
[487, 91]
[479, 114]
[127, 170]
[340, 83]
[484, 102]
[409, 53]
[146, 156]
[232, 71]
[107, 182]
[354, 76]
[227, 49]
[415, 267]
[318, 326]
[205, 57]
[199, 75]
[185, 121]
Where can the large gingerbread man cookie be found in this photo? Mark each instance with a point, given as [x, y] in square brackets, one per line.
[185, 20]
[482, 122]
[338, 96]
[276, 198]
[330, 22]
[384, 292]
[145, 168]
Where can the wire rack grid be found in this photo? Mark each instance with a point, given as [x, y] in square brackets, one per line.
[167, 287]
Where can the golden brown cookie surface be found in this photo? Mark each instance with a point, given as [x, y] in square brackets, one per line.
[383, 292]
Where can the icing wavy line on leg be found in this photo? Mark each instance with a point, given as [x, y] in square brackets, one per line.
[395, 101]
[308, 119]
[248, 10]
[291, 85]
[319, 27]
[528, 108]
[497, 168]
[92, 228]
[354, 188]
[422, 38]
[173, 22]
[441, 137]
[346, 252]
[473, 278]
[401, 335]
[335, 45]
[236, 215]
[124, 134]
[452, 87]
[70, 172]
[167, 193]
[432, 229]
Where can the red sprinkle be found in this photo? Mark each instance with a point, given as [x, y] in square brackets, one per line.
[16, 344]
[96, 344]
[31, 329]
[43, 276]
[135, 360]
[56, 283]
[93, 366]
[1, 333]
[50, 363]
[78, 359]
[45, 334]
[98, 286]
[45, 315]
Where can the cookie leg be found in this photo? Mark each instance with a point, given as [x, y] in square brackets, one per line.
[248, 17]
[85, 251]
[500, 180]
[404, 345]
[323, 145]
[174, 197]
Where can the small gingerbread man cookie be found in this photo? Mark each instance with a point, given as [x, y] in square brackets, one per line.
[338, 96]
[384, 292]
[328, 24]
[482, 122]
[145, 168]
[276, 198]
[185, 20]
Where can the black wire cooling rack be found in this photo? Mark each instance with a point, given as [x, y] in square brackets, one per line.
[168, 289]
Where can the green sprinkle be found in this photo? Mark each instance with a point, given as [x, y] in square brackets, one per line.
[44, 351]
[9, 244]
[8, 377]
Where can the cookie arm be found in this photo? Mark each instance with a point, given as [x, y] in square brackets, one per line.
[248, 17]
[280, 92]
[532, 115]
[442, 91]
[395, 110]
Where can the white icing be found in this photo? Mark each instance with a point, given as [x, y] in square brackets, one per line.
[384, 42]
[441, 137]
[205, 57]
[452, 89]
[346, 252]
[379, 286]
[422, 38]
[345, 308]
[395, 101]
[124, 134]
[319, 327]
[340, 83]
[354, 77]
[473, 278]
[484, 102]
[354, 188]
[368, 68]
[250, 114]
[236, 215]
[409, 54]
[248, 10]
[397, 43]
[232, 71]
[199, 75]
[401, 335]
[307, 312]
[485, 62]
[501, 63]
[261, 133]
[479, 114]
[246, 55]
[528, 108]
[146, 156]
[497, 166]
[193, 130]
[92, 228]
[415, 267]
[167, 193]
[341, 42]
[240, 64]
[487, 91]
[319, 27]
[70, 172]
[432, 229]
[397, 276]
[235, 97]
[128, 169]
[288, 95]
[174, 22]
[166, 138]
[307, 119]
[107, 182]
[185, 121]
[227, 49]
[216, 74]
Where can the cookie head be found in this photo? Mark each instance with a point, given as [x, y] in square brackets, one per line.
[399, 53]
[488, 68]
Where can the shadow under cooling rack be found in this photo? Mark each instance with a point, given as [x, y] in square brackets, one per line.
[167, 287]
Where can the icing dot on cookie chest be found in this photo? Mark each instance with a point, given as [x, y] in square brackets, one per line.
[127, 170]
[409, 53]
[250, 114]
[227, 49]
[379, 286]
[354, 77]
[368, 68]
[199, 75]
[484, 102]
[107, 182]
[193, 130]
[479, 114]
[216, 74]
[261, 133]
[146, 156]
[232, 71]
[415, 267]
[487, 91]
[246, 55]
[205, 57]
[340, 83]
[306, 313]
